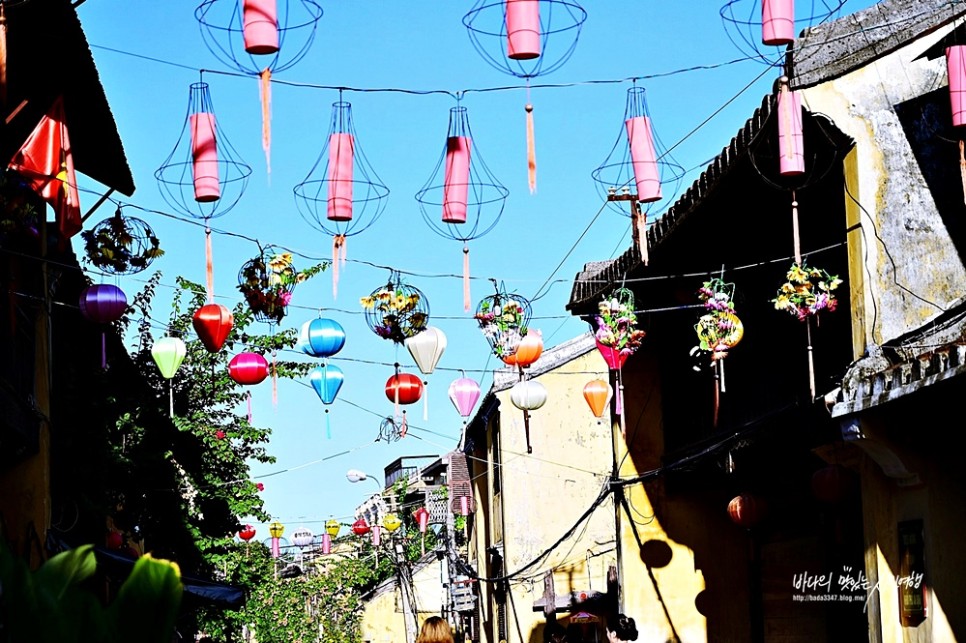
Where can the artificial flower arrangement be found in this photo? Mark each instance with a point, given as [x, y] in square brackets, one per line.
[719, 328]
[393, 312]
[807, 292]
[121, 245]
[267, 282]
[503, 326]
[617, 323]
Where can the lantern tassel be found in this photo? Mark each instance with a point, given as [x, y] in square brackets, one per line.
[425, 401]
[403, 426]
[811, 358]
[466, 278]
[274, 381]
[962, 168]
[717, 395]
[328, 426]
[531, 150]
[209, 266]
[249, 400]
[265, 93]
[338, 256]
[104, 350]
[170, 399]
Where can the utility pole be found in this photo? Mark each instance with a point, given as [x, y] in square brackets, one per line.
[638, 219]
[405, 586]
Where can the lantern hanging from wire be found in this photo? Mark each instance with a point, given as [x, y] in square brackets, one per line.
[528, 395]
[426, 348]
[275, 530]
[360, 527]
[259, 38]
[402, 389]
[598, 394]
[341, 195]
[422, 517]
[464, 393]
[762, 29]
[719, 330]
[321, 337]
[462, 200]
[617, 337]
[528, 350]
[746, 510]
[121, 245]
[396, 311]
[203, 177]
[168, 354]
[638, 170]
[213, 322]
[504, 319]
[102, 304]
[526, 39]
[248, 369]
[327, 380]
[390, 430]
[391, 522]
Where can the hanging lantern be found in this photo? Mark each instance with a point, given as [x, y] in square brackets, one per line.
[528, 395]
[427, 348]
[246, 533]
[302, 537]
[746, 510]
[360, 527]
[598, 394]
[422, 519]
[777, 22]
[391, 522]
[121, 245]
[213, 323]
[396, 311]
[956, 72]
[615, 328]
[260, 26]
[326, 380]
[832, 484]
[752, 23]
[528, 350]
[332, 527]
[342, 196]
[791, 137]
[103, 304]
[464, 393]
[404, 388]
[469, 197]
[504, 319]
[168, 353]
[275, 530]
[248, 369]
[522, 29]
[114, 540]
[326, 543]
[321, 337]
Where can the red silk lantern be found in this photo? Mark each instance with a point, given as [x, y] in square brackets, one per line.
[528, 350]
[213, 322]
[523, 29]
[832, 484]
[647, 176]
[404, 388]
[260, 20]
[422, 519]
[248, 368]
[746, 510]
[247, 533]
[597, 393]
[791, 139]
[360, 527]
[777, 22]
[456, 181]
[204, 157]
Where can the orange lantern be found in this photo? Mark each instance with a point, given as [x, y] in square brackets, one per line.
[528, 351]
[746, 510]
[598, 394]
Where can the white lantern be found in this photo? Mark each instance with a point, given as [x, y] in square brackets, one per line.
[528, 395]
[302, 537]
[426, 348]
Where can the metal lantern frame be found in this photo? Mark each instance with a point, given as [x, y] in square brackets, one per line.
[742, 21]
[397, 310]
[390, 430]
[222, 29]
[175, 176]
[502, 333]
[264, 287]
[561, 22]
[121, 245]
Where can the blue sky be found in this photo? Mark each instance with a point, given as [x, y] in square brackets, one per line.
[700, 90]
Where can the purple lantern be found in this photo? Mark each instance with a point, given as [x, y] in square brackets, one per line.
[464, 393]
[103, 304]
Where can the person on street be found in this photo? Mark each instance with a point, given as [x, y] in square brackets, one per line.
[435, 630]
[621, 628]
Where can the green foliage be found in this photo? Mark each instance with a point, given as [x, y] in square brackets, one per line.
[56, 604]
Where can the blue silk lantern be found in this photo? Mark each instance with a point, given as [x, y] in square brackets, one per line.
[327, 380]
[321, 337]
[103, 304]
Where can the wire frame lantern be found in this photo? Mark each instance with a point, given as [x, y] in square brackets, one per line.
[462, 200]
[341, 195]
[525, 38]
[391, 430]
[761, 29]
[396, 310]
[121, 245]
[638, 169]
[504, 319]
[267, 282]
[203, 177]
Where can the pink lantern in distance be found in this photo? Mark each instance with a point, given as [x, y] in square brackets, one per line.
[956, 70]
[422, 519]
[464, 393]
[523, 29]
[791, 139]
[777, 22]
[260, 20]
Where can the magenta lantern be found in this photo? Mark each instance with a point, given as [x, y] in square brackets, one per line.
[463, 393]
[248, 368]
[956, 71]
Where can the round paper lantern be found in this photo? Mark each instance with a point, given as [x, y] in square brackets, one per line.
[426, 348]
[407, 386]
[528, 350]
[302, 537]
[598, 393]
[213, 322]
[360, 527]
[322, 337]
[528, 395]
[391, 522]
[326, 380]
[248, 368]
[422, 519]
[247, 533]
[102, 303]
[464, 393]
[833, 483]
[746, 510]
[168, 353]
[332, 527]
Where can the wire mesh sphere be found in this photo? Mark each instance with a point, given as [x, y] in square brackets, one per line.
[396, 311]
[203, 177]
[653, 182]
[466, 203]
[267, 282]
[341, 195]
[121, 245]
[504, 319]
[543, 40]
[760, 31]
[390, 431]
[285, 38]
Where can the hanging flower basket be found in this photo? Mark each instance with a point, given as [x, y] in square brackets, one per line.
[616, 333]
[267, 282]
[504, 320]
[396, 311]
[121, 245]
[719, 329]
[807, 292]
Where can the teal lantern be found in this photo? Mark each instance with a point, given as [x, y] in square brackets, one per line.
[327, 380]
[321, 337]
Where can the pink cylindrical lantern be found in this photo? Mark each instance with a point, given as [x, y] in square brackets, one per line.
[522, 29]
[464, 505]
[204, 155]
[956, 70]
[422, 518]
[777, 22]
[260, 25]
[643, 158]
[791, 143]
[376, 536]
[276, 550]
[326, 543]
[456, 181]
[341, 154]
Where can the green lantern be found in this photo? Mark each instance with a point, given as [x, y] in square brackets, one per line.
[168, 353]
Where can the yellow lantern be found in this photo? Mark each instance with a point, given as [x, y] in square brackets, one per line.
[276, 529]
[332, 527]
[391, 522]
